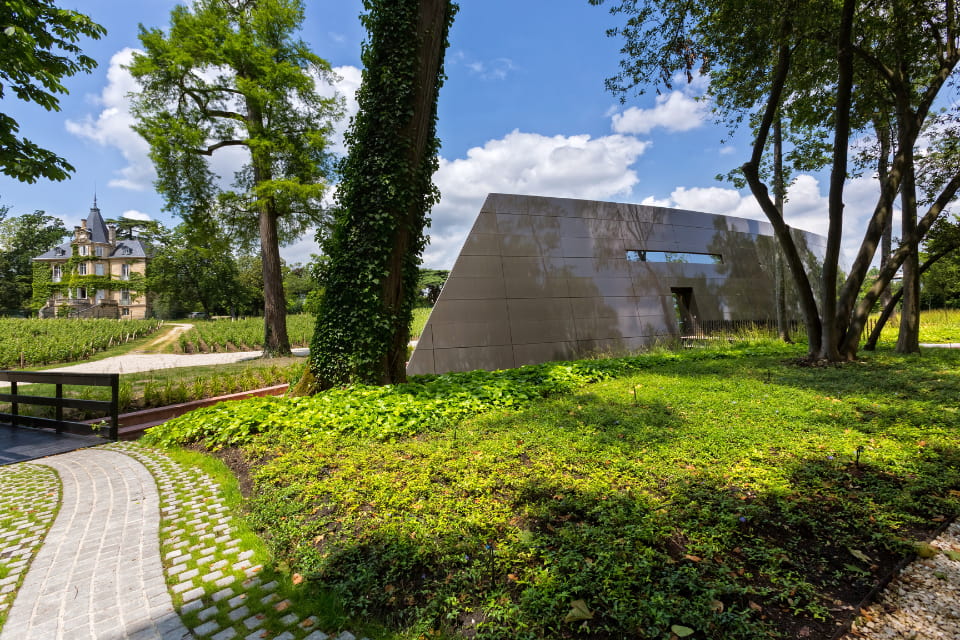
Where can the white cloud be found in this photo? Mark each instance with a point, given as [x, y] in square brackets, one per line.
[674, 111]
[133, 214]
[112, 127]
[806, 206]
[526, 163]
[348, 83]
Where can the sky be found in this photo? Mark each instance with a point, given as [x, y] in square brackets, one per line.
[523, 110]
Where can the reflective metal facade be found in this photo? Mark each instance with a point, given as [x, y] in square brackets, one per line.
[541, 279]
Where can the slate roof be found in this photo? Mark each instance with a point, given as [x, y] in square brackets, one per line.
[53, 255]
[96, 226]
[129, 249]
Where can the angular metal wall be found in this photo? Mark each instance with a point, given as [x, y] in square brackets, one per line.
[541, 279]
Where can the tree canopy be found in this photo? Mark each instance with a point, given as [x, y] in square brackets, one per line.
[232, 74]
[23, 238]
[38, 49]
[833, 73]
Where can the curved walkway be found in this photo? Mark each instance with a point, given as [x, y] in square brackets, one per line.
[98, 574]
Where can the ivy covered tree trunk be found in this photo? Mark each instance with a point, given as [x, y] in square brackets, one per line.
[385, 195]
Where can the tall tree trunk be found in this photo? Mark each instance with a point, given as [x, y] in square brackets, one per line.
[403, 269]
[751, 171]
[275, 340]
[828, 308]
[883, 171]
[780, 189]
[909, 339]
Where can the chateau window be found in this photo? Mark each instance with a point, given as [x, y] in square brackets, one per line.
[124, 296]
[99, 254]
[84, 250]
[82, 269]
[57, 273]
[81, 293]
[124, 272]
[98, 268]
[101, 294]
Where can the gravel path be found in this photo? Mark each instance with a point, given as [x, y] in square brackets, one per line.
[922, 603]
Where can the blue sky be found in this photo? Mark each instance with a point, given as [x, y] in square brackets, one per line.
[524, 110]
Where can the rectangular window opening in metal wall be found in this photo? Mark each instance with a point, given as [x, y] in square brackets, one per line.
[674, 257]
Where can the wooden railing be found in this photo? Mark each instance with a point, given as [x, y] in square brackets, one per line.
[59, 403]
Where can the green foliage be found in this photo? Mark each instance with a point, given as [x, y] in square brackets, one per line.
[233, 74]
[189, 271]
[420, 317]
[40, 342]
[23, 238]
[384, 412]
[244, 334]
[38, 49]
[431, 281]
[716, 490]
[384, 197]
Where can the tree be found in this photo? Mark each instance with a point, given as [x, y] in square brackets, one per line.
[22, 238]
[188, 271]
[431, 281]
[384, 197]
[828, 68]
[37, 51]
[230, 74]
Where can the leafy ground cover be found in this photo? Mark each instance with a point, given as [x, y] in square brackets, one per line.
[720, 492]
[33, 342]
[244, 334]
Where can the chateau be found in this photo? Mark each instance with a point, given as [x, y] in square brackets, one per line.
[95, 274]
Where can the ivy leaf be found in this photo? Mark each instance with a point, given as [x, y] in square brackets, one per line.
[578, 611]
[860, 555]
[681, 631]
[953, 555]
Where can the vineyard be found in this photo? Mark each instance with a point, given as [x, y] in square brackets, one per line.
[239, 335]
[26, 343]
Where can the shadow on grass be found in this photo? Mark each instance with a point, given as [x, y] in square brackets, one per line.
[725, 560]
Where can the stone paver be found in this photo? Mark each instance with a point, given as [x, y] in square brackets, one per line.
[205, 559]
[29, 495]
[98, 573]
[142, 547]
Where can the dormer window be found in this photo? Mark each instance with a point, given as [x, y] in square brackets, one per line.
[59, 251]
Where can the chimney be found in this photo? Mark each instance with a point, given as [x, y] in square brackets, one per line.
[112, 234]
[83, 223]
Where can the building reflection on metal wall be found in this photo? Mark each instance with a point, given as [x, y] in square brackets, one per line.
[542, 279]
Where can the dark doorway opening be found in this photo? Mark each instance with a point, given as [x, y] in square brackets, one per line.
[685, 311]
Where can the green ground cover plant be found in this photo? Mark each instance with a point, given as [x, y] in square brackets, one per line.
[32, 342]
[245, 334]
[719, 492]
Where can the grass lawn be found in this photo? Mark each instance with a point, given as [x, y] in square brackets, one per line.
[723, 492]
